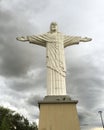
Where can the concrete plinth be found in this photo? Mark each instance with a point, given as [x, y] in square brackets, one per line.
[58, 113]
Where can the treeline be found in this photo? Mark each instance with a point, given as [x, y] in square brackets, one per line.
[10, 120]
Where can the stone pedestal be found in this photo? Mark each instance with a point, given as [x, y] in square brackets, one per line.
[58, 113]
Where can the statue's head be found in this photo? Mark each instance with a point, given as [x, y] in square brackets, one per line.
[53, 27]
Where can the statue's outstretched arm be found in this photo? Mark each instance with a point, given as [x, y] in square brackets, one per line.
[72, 40]
[38, 40]
[23, 39]
[85, 39]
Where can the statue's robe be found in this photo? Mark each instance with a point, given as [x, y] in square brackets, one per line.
[55, 59]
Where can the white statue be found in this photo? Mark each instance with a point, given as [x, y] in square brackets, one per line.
[55, 42]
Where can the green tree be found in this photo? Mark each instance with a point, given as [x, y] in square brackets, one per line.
[10, 120]
[5, 124]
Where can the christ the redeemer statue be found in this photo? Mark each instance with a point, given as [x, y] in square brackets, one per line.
[55, 42]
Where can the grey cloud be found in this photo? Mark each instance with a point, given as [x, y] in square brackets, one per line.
[85, 83]
[36, 8]
[21, 6]
[88, 117]
[34, 99]
[34, 116]
[83, 114]
[26, 83]
[5, 17]
[16, 59]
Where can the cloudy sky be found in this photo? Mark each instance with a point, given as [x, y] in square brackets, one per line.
[22, 65]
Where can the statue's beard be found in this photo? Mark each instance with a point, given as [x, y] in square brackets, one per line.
[53, 30]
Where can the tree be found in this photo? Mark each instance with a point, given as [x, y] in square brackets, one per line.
[5, 124]
[10, 120]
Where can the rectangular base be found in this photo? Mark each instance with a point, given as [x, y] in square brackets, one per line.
[58, 115]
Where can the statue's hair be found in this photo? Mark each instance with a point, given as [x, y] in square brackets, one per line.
[53, 23]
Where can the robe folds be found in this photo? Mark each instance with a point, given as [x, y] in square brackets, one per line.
[55, 59]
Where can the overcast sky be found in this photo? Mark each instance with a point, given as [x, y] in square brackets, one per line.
[22, 65]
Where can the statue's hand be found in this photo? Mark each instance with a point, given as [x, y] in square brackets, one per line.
[85, 39]
[22, 38]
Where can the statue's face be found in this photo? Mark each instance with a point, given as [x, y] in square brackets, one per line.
[53, 28]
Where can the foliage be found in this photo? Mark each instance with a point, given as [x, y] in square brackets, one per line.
[10, 120]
